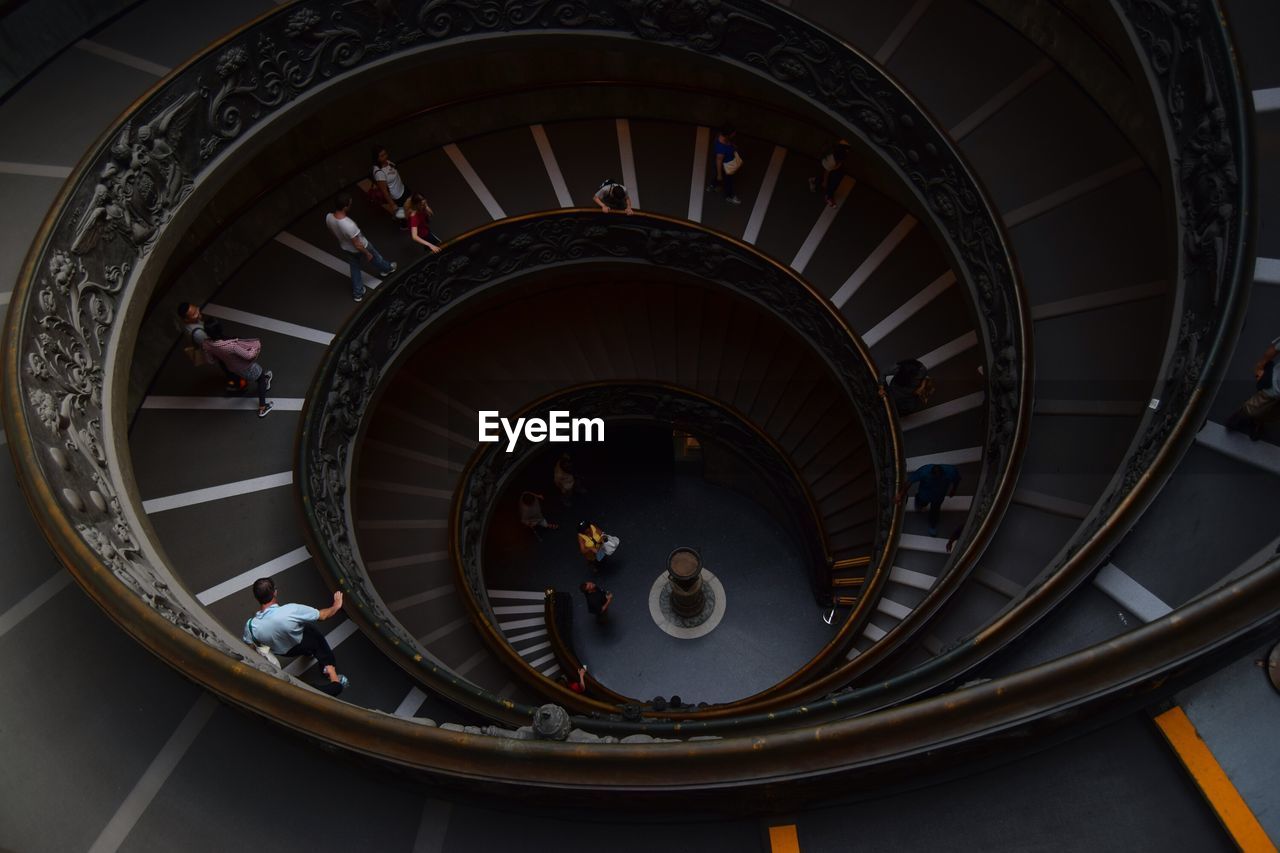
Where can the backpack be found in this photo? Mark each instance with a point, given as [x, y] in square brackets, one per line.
[606, 197]
[193, 351]
[263, 650]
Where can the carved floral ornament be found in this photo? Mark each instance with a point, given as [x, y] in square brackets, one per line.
[126, 198]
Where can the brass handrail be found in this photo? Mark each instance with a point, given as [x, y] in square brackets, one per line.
[568, 659]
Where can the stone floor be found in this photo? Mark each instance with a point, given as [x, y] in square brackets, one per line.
[771, 624]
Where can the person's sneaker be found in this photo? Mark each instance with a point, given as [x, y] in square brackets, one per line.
[359, 298]
[263, 411]
[270, 376]
[389, 271]
[813, 185]
[399, 213]
[733, 199]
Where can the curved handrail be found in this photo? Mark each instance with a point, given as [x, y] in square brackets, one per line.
[488, 257]
[83, 269]
[568, 659]
[487, 472]
[74, 297]
[1192, 68]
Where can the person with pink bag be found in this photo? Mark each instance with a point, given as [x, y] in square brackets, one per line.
[240, 356]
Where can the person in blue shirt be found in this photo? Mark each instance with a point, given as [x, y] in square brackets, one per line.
[726, 162]
[289, 629]
[937, 482]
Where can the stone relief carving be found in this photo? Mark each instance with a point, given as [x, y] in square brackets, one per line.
[140, 183]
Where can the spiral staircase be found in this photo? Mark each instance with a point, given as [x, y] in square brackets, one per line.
[1114, 543]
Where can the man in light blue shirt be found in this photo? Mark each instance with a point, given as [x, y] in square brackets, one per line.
[289, 629]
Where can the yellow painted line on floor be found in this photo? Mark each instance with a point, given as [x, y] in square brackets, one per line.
[1213, 782]
[783, 839]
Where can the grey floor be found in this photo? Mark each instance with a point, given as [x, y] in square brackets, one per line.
[772, 623]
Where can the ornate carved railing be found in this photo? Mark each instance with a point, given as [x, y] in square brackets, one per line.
[491, 467]
[94, 261]
[82, 291]
[496, 255]
[1202, 102]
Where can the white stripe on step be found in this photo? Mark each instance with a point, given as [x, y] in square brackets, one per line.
[403, 562]
[411, 704]
[244, 580]
[628, 158]
[324, 258]
[1234, 445]
[950, 350]
[900, 32]
[1130, 594]
[1071, 192]
[473, 180]
[221, 404]
[933, 414]
[1095, 301]
[146, 66]
[1266, 271]
[34, 170]
[873, 261]
[421, 597]
[32, 601]
[551, 165]
[144, 791]
[1265, 100]
[1001, 99]
[926, 544]
[513, 609]
[697, 187]
[528, 635]
[767, 186]
[270, 324]
[516, 593]
[908, 309]
[821, 226]
[214, 493]
[949, 457]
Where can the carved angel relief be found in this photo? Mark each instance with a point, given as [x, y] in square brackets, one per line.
[141, 183]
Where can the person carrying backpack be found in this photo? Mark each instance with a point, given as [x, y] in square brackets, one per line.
[910, 386]
[196, 326]
[830, 171]
[613, 196]
[240, 357]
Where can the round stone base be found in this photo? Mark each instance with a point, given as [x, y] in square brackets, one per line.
[687, 627]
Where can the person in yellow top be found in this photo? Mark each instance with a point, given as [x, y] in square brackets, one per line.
[594, 544]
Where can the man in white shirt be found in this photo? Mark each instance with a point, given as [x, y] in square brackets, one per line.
[387, 177]
[289, 629]
[354, 246]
